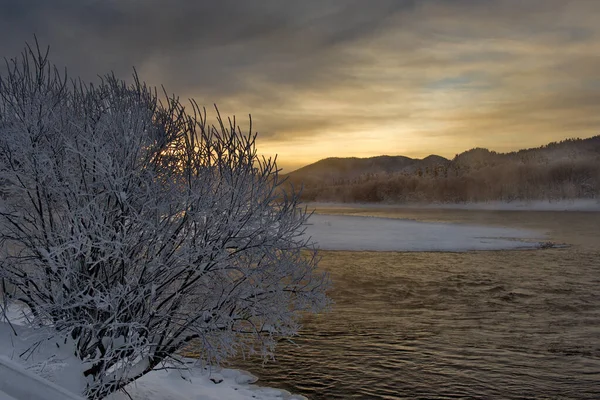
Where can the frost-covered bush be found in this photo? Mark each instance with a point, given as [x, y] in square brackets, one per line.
[135, 228]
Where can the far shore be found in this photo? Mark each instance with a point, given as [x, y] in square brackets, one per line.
[588, 205]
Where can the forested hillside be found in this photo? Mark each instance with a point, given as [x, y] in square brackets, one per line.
[560, 170]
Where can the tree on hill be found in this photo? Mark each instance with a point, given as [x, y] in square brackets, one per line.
[134, 228]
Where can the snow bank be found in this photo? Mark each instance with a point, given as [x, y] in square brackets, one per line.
[341, 232]
[538, 205]
[52, 373]
[198, 383]
[592, 205]
[33, 350]
[18, 383]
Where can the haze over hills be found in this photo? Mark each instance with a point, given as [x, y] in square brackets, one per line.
[558, 170]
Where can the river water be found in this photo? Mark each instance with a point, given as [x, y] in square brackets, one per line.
[521, 324]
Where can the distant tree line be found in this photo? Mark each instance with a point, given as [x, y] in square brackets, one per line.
[474, 176]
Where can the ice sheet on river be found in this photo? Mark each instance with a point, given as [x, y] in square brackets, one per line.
[342, 232]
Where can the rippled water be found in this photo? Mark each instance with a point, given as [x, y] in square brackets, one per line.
[500, 324]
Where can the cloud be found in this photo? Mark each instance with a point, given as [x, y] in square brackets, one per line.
[395, 76]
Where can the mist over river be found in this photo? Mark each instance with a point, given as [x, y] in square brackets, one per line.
[483, 324]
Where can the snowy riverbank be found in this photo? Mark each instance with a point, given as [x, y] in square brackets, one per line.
[52, 370]
[591, 205]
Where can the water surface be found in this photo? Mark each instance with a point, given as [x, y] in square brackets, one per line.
[490, 324]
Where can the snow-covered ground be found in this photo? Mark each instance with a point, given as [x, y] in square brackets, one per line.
[536, 205]
[359, 233]
[592, 205]
[200, 384]
[53, 371]
[17, 383]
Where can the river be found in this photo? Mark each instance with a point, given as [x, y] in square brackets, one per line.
[519, 324]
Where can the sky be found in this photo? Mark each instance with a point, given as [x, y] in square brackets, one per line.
[342, 78]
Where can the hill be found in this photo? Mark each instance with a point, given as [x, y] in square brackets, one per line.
[558, 170]
[334, 169]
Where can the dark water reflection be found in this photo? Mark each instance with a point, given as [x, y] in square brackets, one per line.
[500, 324]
